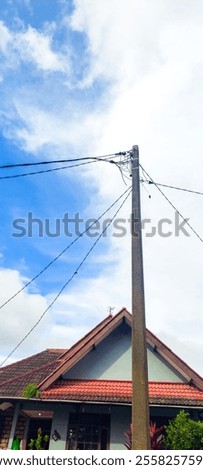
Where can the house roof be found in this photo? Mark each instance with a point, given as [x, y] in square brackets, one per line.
[15, 377]
[92, 339]
[45, 368]
[117, 391]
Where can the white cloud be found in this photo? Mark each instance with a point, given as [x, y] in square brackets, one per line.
[36, 47]
[37, 124]
[19, 315]
[5, 37]
[123, 38]
[32, 47]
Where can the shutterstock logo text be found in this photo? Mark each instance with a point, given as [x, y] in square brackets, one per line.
[74, 225]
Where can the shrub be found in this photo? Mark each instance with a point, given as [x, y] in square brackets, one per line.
[183, 433]
[40, 442]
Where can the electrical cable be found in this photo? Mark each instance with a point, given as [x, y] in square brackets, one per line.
[172, 205]
[65, 160]
[173, 187]
[20, 175]
[69, 280]
[63, 251]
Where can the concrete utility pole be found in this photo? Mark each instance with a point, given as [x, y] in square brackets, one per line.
[140, 402]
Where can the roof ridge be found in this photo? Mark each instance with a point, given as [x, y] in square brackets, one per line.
[2, 369]
[150, 382]
[94, 380]
[56, 350]
[173, 383]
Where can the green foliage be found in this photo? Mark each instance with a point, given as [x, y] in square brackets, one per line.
[183, 433]
[40, 442]
[31, 391]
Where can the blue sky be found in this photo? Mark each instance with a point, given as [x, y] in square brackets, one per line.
[78, 78]
[51, 195]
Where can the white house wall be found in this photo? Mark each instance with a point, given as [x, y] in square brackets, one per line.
[59, 423]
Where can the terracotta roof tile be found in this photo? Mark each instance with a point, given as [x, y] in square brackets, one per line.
[121, 392]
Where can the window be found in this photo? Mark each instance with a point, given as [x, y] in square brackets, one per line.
[88, 431]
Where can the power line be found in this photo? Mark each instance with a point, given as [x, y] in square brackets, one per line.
[63, 251]
[64, 160]
[172, 205]
[173, 187]
[70, 279]
[20, 175]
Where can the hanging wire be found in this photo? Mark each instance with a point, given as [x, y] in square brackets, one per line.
[171, 204]
[174, 187]
[69, 280]
[64, 250]
[64, 160]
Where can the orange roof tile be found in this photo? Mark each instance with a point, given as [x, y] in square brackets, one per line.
[121, 392]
